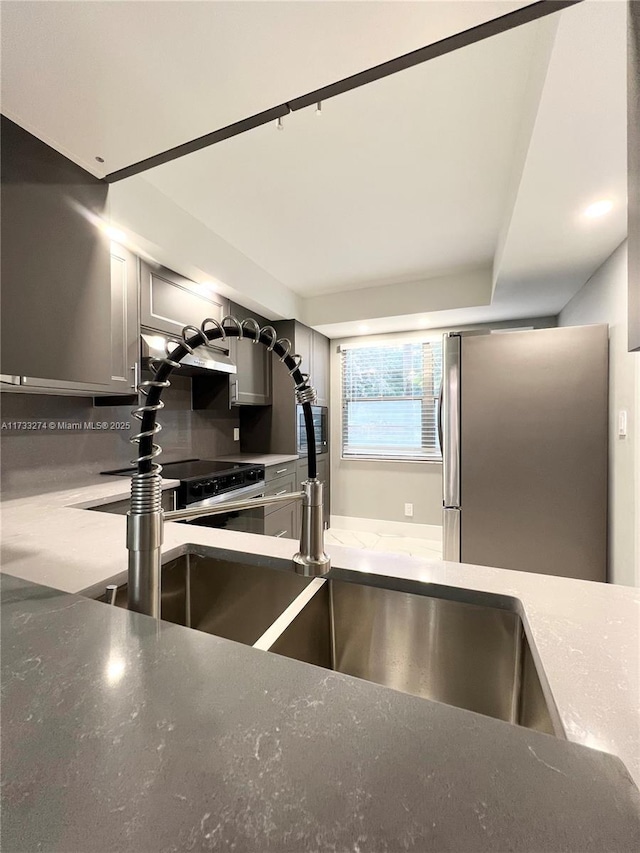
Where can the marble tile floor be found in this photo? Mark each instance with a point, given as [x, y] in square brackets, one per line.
[391, 543]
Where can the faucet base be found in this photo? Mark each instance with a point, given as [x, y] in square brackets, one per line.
[311, 567]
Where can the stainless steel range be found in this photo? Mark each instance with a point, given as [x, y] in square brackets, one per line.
[208, 483]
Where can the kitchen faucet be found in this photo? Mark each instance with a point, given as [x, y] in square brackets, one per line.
[145, 519]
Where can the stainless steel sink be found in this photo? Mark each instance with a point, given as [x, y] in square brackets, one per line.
[473, 656]
[222, 596]
[464, 648]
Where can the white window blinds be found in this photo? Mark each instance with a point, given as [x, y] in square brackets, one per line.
[390, 398]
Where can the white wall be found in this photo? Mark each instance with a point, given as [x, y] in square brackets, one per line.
[603, 299]
[376, 489]
[462, 289]
[157, 227]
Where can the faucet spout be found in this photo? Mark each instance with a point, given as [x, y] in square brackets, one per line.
[146, 518]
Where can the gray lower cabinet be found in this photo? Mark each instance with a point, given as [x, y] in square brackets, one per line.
[251, 385]
[282, 522]
[169, 301]
[282, 485]
[324, 474]
[274, 472]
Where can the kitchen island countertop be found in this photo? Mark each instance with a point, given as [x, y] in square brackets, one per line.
[123, 733]
[585, 637]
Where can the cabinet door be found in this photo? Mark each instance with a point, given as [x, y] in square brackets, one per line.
[302, 471]
[301, 476]
[320, 361]
[280, 487]
[282, 522]
[169, 302]
[251, 385]
[303, 345]
[125, 330]
[324, 474]
[55, 267]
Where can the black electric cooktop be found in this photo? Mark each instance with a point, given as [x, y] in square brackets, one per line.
[187, 469]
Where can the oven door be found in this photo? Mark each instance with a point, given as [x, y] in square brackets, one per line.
[243, 521]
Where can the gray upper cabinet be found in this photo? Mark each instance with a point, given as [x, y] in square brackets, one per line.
[62, 279]
[278, 434]
[314, 350]
[169, 302]
[251, 385]
[320, 361]
[303, 346]
[55, 270]
[125, 329]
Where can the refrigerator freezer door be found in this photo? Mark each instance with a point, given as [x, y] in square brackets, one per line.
[450, 413]
[534, 451]
[451, 535]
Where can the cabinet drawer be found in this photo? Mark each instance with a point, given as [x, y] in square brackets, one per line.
[275, 471]
[279, 487]
[282, 522]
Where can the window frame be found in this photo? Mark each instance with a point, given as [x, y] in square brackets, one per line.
[426, 399]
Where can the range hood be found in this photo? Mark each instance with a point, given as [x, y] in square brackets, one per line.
[202, 360]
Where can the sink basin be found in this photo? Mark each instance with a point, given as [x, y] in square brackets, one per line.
[224, 596]
[473, 656]
[463, 648]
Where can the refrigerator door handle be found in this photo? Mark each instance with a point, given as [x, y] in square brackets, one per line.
[451, 420]
[440, 418]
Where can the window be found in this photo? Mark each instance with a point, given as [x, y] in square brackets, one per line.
[390, 399]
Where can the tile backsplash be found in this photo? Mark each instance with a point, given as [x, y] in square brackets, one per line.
[38, 461]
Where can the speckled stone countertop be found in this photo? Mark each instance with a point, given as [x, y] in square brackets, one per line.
[585, 636]
[266, 459]
[125, 734]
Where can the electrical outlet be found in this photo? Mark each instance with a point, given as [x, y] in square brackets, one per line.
[236, 434]
[408, 510]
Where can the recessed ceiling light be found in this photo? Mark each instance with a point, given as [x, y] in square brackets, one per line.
[598, 208]
[115, 234]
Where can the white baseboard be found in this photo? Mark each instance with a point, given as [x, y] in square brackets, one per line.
[389, 528]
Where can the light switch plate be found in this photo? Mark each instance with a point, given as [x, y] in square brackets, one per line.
[236, 434]
[622, 424]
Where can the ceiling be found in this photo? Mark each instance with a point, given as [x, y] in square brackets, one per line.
[403, 177]
[126, 80]
[449, 193]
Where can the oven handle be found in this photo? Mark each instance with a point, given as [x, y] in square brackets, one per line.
[255, 490]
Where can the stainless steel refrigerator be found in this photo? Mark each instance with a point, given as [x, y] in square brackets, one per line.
[523, 424]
